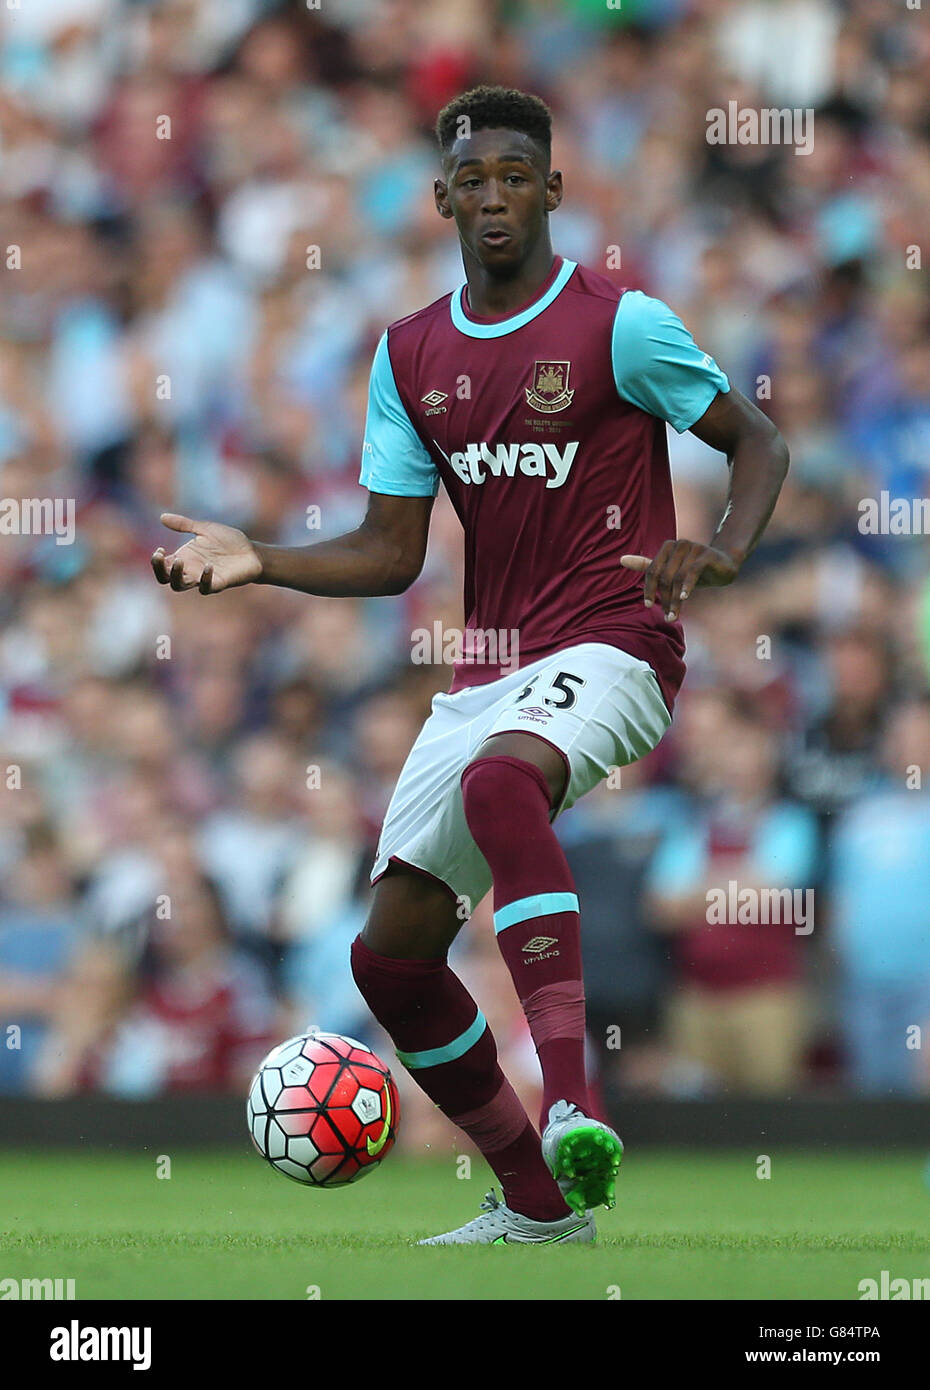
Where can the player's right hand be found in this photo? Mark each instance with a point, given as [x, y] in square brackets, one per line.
[219, 557]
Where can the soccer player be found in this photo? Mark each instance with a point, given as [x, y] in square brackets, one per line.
[537, 394]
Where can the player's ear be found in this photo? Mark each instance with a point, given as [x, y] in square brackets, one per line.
[441, 194]
[553, 190]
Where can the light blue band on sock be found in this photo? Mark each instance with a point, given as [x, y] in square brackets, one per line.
[435, 1056]
[538, 905]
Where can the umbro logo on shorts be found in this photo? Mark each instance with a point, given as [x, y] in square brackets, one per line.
[535, 714]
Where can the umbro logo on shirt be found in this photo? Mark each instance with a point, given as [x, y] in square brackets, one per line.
[434, 399]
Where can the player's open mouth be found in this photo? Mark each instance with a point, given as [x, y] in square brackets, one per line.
[495, 237]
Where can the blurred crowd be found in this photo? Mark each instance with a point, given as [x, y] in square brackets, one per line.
[209, 211]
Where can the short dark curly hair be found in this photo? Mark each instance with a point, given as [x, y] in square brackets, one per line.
[496, 108]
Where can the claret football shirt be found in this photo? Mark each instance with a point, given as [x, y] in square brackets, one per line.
[547, 430]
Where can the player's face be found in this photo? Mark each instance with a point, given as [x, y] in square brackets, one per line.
[499, 190]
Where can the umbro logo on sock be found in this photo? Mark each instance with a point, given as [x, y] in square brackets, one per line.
[538, 944]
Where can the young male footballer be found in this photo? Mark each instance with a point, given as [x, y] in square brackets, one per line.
[537, 394]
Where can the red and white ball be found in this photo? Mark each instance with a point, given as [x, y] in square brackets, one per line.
[323, 1110]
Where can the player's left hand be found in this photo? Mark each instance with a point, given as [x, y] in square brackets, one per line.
[679, 568]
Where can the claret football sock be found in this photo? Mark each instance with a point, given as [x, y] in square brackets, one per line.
[443, 1040]
[536, 917]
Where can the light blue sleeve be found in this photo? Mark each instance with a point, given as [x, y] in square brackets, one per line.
[394, 460]
[679, 864]
[657, 364]
[786, 850]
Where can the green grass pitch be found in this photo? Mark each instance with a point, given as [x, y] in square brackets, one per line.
[687, 1225]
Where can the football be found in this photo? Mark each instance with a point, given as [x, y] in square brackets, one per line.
[323, 1110]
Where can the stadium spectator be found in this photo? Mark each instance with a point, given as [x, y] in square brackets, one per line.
[203, 1017]
[609, 839]
[880, 888]
[731, 880]
[37, 937]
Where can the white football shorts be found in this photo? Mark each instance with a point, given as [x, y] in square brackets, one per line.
[599, 706]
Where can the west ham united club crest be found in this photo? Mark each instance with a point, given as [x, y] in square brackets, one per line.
[549, 391]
